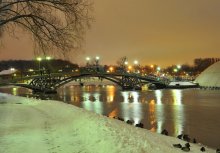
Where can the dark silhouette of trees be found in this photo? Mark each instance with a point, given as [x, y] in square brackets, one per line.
[55, 25]
[201, 64]
[53, 65]
[121, 63]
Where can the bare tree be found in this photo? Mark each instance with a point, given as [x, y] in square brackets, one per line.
[55, 25]
[122, 61]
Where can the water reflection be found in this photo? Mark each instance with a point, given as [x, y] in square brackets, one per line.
[131, 108]
[113, 113]
[152, 115]
[91, 102]
[125, 96]
[177, 97]
[14, 91]
[110, 94]
[158, 94]
[159, 111]
[178, 111]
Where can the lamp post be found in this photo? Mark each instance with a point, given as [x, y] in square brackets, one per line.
[97, 63]
[158, 69]
[135, 66]
[48, 58]
[87, 61]
[39, 59]
[97, 60]
[125, 66]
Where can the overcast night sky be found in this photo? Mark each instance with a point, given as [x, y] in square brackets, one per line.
[162, 32]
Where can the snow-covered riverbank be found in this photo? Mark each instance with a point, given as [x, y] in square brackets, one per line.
[29, 126]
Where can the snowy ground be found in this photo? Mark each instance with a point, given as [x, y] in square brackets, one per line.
[34, 126]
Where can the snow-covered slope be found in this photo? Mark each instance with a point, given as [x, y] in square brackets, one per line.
[210, 77]
[34, 126]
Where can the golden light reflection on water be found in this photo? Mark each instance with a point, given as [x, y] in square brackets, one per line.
[178, 111]
[113, 113]
[110, 94]
[152, 116]
[75, 98]
[132, 107]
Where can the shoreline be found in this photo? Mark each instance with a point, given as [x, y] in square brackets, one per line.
[30, 125]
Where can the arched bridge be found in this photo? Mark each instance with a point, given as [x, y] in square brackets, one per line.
[50, 82]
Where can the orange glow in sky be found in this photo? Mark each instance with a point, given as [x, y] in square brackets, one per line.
[161, 32]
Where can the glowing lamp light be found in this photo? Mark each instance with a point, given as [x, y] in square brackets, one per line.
[87, 58]
[179, 66]
[158, 68]
[48, 58]
[39, 58]
[12, 69]
[111, 69]
[135, 62]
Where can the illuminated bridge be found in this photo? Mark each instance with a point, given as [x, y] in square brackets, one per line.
[48, 83]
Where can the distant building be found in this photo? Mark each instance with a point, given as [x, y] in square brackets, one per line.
[210, 77]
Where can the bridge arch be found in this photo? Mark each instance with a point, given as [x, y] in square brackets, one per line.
[49, 83]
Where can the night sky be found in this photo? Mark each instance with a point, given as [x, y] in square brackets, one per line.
[162, 32]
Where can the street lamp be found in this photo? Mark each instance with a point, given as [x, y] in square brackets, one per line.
[135, 65]
[87, 61]
[12, 69]
[158, 69]
[97, 60]
[111, 69]
[129, 68]
[179, 66]
[48, 58]
[136, 62]
[175, 70]
[39, 59]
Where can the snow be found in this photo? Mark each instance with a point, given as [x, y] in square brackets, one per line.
[7, 72]
[181, 83]
[37, 126]
[210, 77]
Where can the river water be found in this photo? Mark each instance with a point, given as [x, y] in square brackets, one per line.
[194, 112]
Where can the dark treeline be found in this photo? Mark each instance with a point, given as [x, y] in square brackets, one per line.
[53, 65]
[200, 64]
